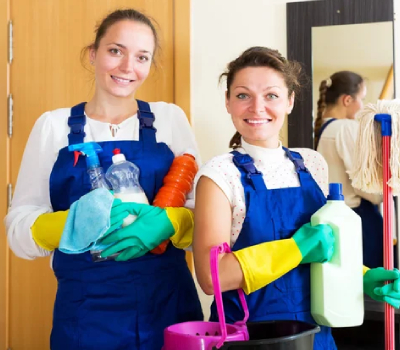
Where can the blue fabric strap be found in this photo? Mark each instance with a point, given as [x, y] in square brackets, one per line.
[246, 166]
[322, 130]
[298, 162]
[77, 122]
[146, 117]
[147, 132]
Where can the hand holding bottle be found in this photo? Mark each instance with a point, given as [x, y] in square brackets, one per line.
[315, 243]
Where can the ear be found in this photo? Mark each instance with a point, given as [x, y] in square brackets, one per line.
[227, 102]
[347, 99]
[92, 54]
[291, 104]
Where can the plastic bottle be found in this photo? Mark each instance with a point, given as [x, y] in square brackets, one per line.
[337, 297]
[124, 178]
[96, 176]
[95, 171]
[177, 184]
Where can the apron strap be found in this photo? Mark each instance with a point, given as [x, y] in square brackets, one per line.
[322, 130]
[147, 132]
[77, 122]
[298, 162]
[249, 172]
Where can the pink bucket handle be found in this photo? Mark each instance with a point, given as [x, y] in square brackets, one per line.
[215, 251]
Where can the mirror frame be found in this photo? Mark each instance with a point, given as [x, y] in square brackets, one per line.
[301, 17]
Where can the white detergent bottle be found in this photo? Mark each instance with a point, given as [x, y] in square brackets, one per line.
[124, 178]
[337, 297]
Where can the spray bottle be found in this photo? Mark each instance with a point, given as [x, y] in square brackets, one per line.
[95, 171]
[337, 297]
[96, 176]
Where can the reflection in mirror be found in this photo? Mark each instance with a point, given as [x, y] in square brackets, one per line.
[366, 49]
[363, 54]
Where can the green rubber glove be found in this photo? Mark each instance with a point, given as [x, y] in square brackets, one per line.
[374, 285]
[151, 227]
[315, 243]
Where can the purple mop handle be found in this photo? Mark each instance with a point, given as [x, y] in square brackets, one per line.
[215, 251]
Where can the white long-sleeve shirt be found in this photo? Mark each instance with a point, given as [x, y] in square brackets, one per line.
[49, 135]
[278, 172]
[337, 144]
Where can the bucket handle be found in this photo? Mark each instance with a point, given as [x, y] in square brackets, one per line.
[215, 251]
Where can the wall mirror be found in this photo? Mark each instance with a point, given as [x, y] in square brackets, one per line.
[326, 37]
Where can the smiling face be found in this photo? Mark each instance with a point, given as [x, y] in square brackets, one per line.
[258, 102]
[123, 58]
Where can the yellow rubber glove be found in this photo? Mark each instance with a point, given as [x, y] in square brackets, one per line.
[265, 262]
[48, 228]
[365, 269]
[182, 220]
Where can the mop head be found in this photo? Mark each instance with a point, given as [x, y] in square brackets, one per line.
[367, 171]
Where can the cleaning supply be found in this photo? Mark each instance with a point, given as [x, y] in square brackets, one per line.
[155, 225]
[242, 335]
[177, 184]
[337, 286]
[95, 171]
[266, 262]
[88, 219]
[124, 178]
[376, 170]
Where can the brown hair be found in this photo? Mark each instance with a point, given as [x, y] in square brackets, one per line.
[340, 83]
[115, 17]
[258, 56]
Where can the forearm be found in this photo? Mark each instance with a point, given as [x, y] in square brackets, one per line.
[230, 274]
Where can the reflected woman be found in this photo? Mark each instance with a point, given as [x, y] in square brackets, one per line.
[341, 97]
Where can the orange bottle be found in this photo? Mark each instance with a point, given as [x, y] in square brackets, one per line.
[177, 184]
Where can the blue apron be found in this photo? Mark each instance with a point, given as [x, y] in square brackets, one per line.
[113, 305]
[372, 227]
[273, 215]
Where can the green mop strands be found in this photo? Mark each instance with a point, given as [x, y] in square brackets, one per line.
[367, 171]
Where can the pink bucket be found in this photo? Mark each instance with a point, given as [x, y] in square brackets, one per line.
[203, 335]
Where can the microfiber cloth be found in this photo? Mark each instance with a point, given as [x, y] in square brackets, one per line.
[88, 220]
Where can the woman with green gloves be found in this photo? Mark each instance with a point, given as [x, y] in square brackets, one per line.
[123, 304]
[260, 197]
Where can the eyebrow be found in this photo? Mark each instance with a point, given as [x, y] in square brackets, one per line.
[267, 88]
[124, 47]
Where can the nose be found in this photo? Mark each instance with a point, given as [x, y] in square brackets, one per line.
[127, 64]
[258, 105]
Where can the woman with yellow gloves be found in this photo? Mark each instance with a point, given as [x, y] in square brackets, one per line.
[260, 198]
[109, 305]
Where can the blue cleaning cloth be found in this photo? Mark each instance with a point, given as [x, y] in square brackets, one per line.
[88, 220]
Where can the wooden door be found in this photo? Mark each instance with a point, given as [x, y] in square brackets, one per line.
[46, 74]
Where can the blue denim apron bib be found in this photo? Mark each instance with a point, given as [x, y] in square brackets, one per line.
[114, 305]
[273, 215]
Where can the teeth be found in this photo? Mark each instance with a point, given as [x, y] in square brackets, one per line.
[258, 121]
[121, 79]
